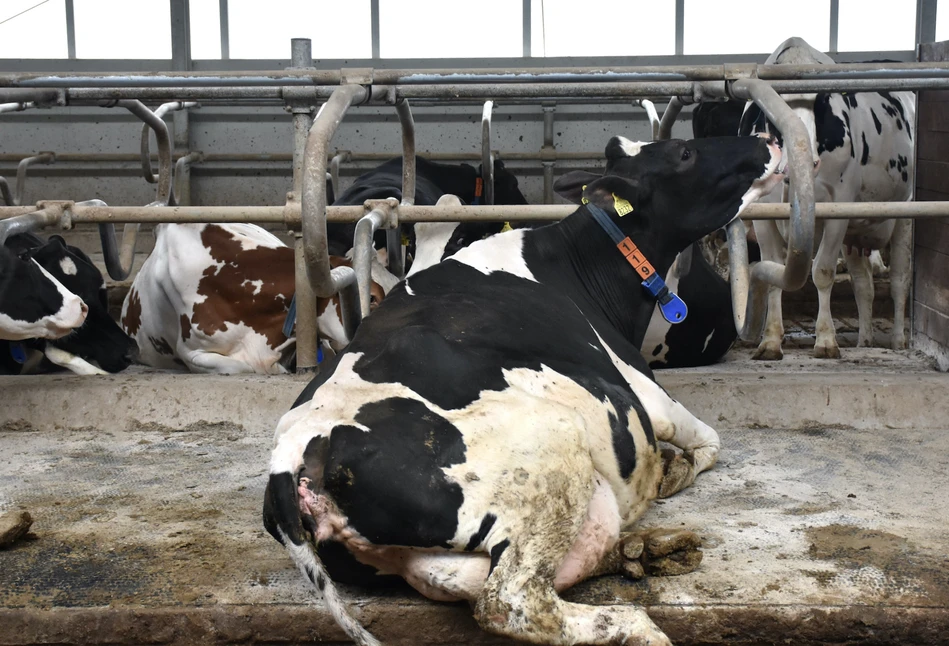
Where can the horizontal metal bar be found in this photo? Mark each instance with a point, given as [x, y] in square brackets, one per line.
[658, 73]
[532, 212]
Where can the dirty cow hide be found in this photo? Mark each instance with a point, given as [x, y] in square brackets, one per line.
[98, 346]
[214, 298]
[863, 143]
[493, 426]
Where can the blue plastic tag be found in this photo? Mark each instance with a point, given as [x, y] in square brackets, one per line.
[674, 310]
[18, 352]
[319, 353]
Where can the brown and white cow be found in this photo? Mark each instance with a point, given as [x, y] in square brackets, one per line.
[214, 298]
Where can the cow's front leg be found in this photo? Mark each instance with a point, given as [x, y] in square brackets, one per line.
[823, 272]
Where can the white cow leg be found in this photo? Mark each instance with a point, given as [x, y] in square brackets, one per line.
[769, 240]
[901, 273]
[861, 276]
[71, 362]
[212, 362]
[823, 272]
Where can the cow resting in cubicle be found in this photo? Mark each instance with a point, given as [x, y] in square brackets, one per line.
[863, 152]
[214, 298]
[492, 427]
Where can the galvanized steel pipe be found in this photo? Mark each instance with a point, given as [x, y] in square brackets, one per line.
[669, 116]
[118, 262]
[16, 107]
[394, 249]
[50, 214]
[793, 274]
[487, 159]
[327, 282]
[20, 189]
[160, 111]
[363, 251]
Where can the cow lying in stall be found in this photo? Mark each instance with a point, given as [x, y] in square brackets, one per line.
[98, 346]
[33, 304]
[505, 379]
[701, 339]
[214, 298]
[863, 147]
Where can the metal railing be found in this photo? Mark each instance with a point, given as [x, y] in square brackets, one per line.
[301, 88]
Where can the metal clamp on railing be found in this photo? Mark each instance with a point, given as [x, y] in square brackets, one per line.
[327, 282]
[487, 159]
[50, 212]
[747, 299]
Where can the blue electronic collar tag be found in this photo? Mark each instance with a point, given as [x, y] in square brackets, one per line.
[673, 308]
[18, 352]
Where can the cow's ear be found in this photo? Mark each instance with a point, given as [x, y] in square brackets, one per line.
[614, 194]
[570, 186]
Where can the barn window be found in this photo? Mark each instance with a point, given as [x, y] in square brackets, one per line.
[942, 21]
[122, 29]
[31, 31]
[263, 28]
[876, 25]
[439, 29]
[753, 27]
[602, 28]
[206, 29]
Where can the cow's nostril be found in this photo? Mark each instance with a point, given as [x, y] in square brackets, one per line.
[83, 307]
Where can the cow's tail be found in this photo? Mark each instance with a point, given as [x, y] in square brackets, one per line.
[282, 520]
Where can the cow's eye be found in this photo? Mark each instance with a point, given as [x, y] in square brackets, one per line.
[686, 153]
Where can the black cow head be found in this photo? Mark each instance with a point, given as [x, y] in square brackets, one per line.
[32, 303]
[100, 339]
[506, 190]
[678, 190]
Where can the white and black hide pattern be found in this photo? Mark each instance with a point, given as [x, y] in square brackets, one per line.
[863, 147]
[494, 382]
[97, 345]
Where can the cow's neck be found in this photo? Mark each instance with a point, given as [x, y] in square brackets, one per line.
[593, 271]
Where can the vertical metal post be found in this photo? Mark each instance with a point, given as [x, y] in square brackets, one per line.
[680, 27]
[374, 22]
[487, 158]
[834, 17]
[225, 30]
[70, 30]
[301, 56]
[526, 13]
[181, 62]
[548, 148]
[925, 21]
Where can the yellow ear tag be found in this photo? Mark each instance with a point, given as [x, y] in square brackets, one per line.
[405, 240]
[623, 207]
[506, 227]
[583, 199]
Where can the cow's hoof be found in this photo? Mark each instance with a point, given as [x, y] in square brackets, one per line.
[678, 472]
[631, 552]
[827, 351]
[768, 352]
[899, 343]
[670, 552]
[865, 342]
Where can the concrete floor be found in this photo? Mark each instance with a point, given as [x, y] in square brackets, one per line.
[823, 522]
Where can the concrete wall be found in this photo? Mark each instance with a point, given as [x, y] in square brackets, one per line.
[931, 239]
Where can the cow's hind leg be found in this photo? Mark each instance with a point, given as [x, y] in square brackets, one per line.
[861, 277]
[901, 273]
[769, 240]
[823, 272]
[519, 600]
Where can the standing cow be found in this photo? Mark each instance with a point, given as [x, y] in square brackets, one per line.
[863, 148]
[492, 427]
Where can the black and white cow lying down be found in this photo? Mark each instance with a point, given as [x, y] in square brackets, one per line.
[33, 304]
[98, 345]
[492, 426]
[863, 147]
